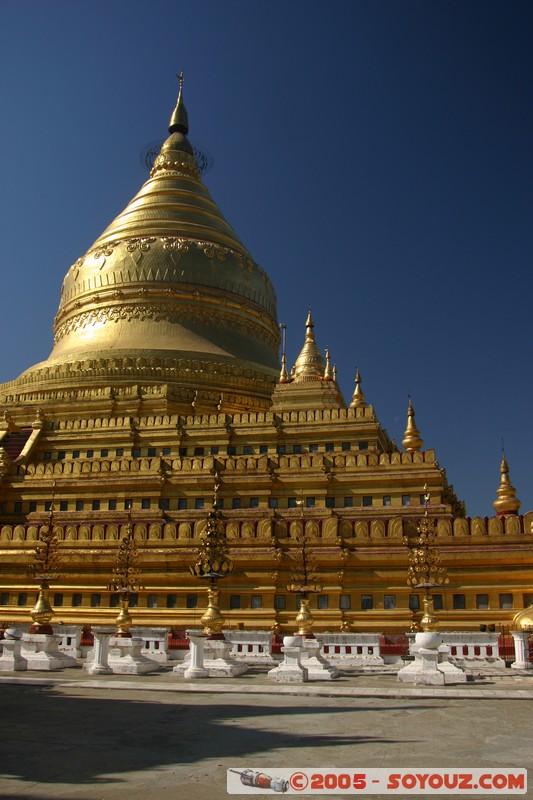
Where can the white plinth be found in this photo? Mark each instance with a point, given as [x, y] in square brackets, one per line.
[217, 660]
[41, 652]
[11, 659]
[125, 657]
[318, 668]
[431, 666]
[291, 669]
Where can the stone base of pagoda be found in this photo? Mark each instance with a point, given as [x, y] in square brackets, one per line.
[11, 659]
[290, 670]
[217, 661]
[317, 666]
[431, 666]
[125, 657]
[41, 652]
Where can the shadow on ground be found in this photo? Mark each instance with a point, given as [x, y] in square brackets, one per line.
[55, 736]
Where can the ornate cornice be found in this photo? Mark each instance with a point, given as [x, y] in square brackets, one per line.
[173, 312]
[55, 381]
[184, 165]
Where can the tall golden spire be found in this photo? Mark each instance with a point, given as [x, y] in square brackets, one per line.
[358, 398]
[310, 364]
[506, 502]
[179, 121]
[411, 438]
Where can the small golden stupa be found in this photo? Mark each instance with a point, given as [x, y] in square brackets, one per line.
[507, 501]
[411, 438]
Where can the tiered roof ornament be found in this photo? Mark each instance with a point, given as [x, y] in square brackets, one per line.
[507, 502]
[411, 438]
[312, 382]
[309, 366]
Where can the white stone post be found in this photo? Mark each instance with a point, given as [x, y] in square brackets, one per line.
[196, 667]
[521, 650]
[100, 665]
[11, 659]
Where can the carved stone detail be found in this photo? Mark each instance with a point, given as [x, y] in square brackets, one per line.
[232, 530]
[512, 525]
[330, 528]
[377, 529]
[460, 527]
[444, 528]
[264, 529]
[395, 530]
[248, 530]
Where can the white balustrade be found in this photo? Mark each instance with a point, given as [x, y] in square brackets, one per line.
[253, 647]
[69, 640]
[474, 650]
[352, 649]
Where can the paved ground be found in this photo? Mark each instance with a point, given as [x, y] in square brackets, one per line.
[73, 737]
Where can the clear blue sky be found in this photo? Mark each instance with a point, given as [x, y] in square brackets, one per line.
[374, 156]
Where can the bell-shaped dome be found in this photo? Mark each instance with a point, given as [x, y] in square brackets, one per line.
[169, 284]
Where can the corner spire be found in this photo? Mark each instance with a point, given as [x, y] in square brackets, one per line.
[179, 121]
[358, 398]
[507, 501]
[328, 375]
[411, 441]
[284, 375]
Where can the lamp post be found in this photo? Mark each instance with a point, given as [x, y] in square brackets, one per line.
[303, 580]
[44, 569]
[212, 564]
[430, 665]
[425, 570]
[125, 579]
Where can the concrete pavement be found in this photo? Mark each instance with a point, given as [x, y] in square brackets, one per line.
[69, 736]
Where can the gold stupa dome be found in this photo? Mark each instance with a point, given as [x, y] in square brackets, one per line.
[168, 289]
[524, 619]
[507, 502]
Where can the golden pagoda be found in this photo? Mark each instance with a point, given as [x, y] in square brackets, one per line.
[167, 300]
[165, 372]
